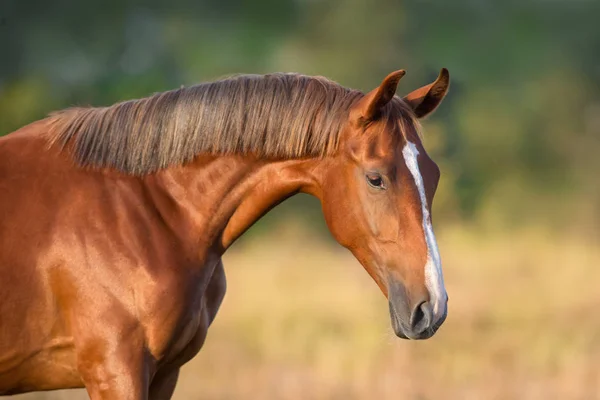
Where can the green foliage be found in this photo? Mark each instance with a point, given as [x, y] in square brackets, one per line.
[517, 137]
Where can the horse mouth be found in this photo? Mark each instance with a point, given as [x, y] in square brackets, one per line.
[403, 332]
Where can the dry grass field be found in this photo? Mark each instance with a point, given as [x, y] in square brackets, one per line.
[302, 320]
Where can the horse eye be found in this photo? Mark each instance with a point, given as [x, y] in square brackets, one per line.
[375, 180]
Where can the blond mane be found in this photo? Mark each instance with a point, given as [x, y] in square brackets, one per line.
[275, 116]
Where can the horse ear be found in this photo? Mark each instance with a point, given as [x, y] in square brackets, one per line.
[426, 99]
[369, 106]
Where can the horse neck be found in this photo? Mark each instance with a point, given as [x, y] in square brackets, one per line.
[215, 199]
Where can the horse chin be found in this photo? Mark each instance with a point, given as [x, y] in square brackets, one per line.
[422, 336]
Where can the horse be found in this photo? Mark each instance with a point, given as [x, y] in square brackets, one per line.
[113, 220]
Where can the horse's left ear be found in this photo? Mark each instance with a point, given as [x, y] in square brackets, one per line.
[369, 106]
[425, 100]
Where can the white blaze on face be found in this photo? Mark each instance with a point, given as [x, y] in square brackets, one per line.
[433, 268]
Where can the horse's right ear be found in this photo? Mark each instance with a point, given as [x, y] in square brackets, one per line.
[367, 108]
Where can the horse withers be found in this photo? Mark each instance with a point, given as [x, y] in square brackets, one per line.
[113, 220]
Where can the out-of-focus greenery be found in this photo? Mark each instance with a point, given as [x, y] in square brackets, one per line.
[516, 138]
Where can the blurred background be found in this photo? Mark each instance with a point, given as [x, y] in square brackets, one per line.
[517, 213]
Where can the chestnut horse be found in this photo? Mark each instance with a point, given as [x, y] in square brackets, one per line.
[113, 220]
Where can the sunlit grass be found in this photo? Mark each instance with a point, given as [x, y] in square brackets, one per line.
[302, 320]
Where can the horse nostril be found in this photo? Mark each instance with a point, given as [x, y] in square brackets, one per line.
[421, 318]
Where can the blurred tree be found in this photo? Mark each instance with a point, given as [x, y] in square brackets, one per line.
[517, 137]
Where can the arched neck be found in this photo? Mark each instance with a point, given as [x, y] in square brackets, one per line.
[212, 201]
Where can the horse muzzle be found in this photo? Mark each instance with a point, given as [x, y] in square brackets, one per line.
[413, 318]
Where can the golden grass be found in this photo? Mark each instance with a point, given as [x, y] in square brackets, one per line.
[302, 320]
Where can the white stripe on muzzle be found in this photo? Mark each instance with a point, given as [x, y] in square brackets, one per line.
[434, 279]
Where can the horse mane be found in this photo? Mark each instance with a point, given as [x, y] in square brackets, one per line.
[275, 116]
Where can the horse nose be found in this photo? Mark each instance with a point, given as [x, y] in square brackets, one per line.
[421, 320]
[413, 317]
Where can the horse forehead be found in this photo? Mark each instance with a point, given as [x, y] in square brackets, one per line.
[385, 140]
[418, 164]
[396, 133]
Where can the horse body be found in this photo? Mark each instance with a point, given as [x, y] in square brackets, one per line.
[158, 275]
[110, 280]
[142, 280]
